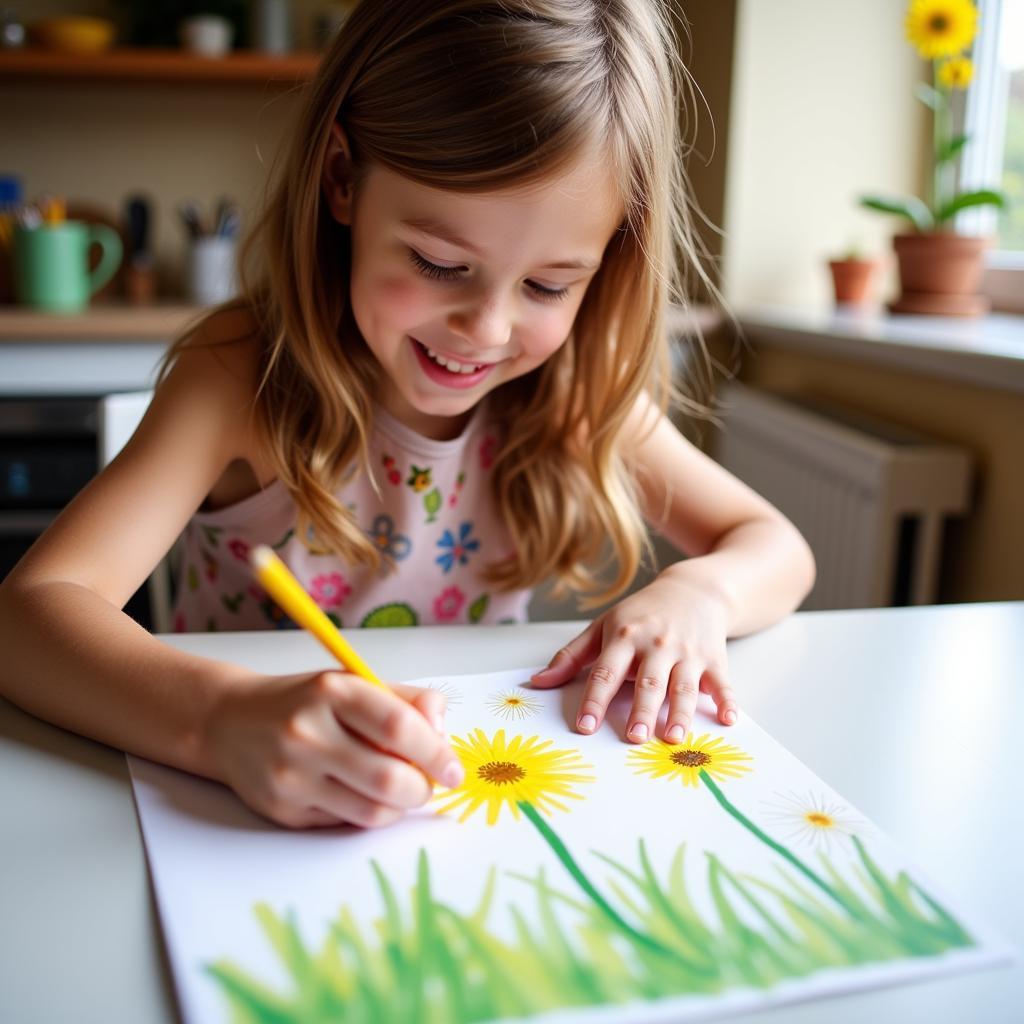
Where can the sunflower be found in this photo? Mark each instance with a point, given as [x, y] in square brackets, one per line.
[956, 73]
[513, 704]
[941, 28]
[812, 819]
[506, 774]
[690, 759]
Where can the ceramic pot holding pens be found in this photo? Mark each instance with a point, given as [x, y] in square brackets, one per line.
[211, 274]
[51, 264]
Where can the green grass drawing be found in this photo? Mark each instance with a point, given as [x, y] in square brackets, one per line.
[426, 963]
[636, 936]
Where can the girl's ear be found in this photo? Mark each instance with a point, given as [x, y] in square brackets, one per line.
[338, 175]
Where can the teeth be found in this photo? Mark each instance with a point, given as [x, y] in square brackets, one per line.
[451, 365]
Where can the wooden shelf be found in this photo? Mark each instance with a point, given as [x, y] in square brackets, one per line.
[240, 67]
[108, 322]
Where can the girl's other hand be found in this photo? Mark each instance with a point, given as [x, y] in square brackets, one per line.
[330, 748]
[669, 637]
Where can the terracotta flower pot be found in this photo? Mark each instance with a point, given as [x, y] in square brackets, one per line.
[939, 273]
[851, 280]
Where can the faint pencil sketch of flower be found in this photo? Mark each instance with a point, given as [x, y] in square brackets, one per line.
[453, 696]
[513, 704]
[811, 818]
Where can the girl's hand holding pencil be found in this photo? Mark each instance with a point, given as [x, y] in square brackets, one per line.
[331, 747]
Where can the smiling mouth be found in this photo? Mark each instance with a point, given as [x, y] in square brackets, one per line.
[451, 365]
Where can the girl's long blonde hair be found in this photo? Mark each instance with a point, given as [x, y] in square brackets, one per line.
[481, 95]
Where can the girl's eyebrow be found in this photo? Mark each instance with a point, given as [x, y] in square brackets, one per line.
[440, 231]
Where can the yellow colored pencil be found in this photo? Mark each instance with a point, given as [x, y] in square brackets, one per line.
[287, 591]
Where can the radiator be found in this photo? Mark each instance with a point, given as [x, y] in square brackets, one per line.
[871, 498]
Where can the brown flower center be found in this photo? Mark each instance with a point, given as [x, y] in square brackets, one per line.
[500, 773]
[938, 23]
[691, 758]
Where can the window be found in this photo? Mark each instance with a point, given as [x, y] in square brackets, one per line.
[994, 119]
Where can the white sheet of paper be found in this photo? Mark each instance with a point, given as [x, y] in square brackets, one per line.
[212, 860]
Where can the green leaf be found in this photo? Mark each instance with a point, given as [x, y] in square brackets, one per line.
[478, 608]
[982, 197]
[951, 149]
[929, 96]
[902, 206]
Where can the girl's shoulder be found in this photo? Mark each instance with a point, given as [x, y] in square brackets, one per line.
[213, 373]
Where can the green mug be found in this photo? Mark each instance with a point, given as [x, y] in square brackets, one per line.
[51, 264]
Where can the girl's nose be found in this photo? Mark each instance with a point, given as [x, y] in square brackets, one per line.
[484, 323]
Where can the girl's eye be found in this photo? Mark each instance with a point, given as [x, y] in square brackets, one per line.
[547, 294]
[439, 273]
[432, 270]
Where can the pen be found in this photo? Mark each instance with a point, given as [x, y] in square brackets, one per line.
[285, 589]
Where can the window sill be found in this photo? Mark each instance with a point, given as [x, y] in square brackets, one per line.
[988, 351]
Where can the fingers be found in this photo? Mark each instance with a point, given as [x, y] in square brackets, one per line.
[683, 687]
[430, 703]
[391, 724]
[603, 682]
[327, 802]
[652, 680]
[576, 654]
[715, 683]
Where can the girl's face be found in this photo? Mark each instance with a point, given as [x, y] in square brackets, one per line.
[457, 293]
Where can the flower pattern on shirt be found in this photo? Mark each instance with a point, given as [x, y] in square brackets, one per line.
[391, 544]
[488, 450]
[448, 604]
[239, 549]
[419, 478]
[329, 589]
[458, 550]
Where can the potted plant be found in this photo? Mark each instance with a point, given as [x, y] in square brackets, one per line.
[852, 276]
[940, 269]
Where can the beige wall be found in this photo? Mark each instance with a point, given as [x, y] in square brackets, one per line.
[983, 558]
[100, 143]
[822, 109]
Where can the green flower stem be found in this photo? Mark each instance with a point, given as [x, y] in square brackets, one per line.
[777, 847]
[585, 884]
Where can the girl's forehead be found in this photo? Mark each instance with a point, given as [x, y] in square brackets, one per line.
[581, 205]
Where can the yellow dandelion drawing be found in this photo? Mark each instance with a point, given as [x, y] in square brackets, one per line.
[502, 774]
[687, 760]
[956, 73]
[514, 704]
[812, 819]
[941, 28]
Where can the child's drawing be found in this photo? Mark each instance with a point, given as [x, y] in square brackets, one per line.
[565, 872]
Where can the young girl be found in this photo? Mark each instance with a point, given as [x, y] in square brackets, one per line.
[445, 382]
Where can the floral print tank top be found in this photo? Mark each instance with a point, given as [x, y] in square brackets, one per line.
[434, 517]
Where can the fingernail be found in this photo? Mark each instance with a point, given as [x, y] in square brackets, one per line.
[730, 717]
[437, 721]
[587, 723]
[638, 731]
[542, 672]
[453, 775]
[675, 734]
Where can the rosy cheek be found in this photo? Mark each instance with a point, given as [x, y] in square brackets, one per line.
[401, 299]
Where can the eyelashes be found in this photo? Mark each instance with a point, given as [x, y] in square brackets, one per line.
[436, 273]
[432, 270]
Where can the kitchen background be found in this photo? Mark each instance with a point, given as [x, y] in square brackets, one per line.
[802, 106]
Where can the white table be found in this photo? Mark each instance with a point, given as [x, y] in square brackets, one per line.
[912, 714]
